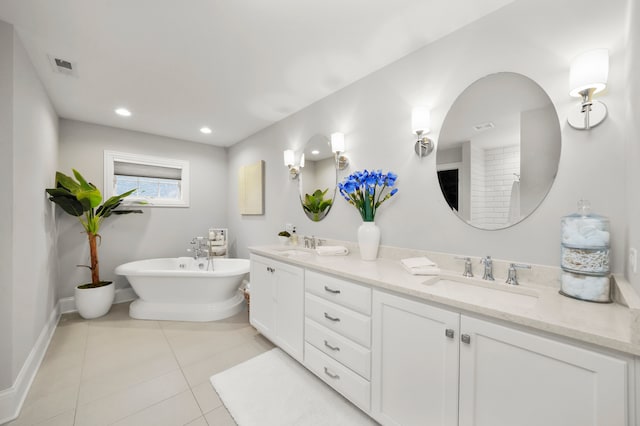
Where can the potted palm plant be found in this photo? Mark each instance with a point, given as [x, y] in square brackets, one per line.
[83, 200]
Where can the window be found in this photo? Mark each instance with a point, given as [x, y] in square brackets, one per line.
[158, 181]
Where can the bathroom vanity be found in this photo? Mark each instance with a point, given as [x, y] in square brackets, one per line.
[448, 350]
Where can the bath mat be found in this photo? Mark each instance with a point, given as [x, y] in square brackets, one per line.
[274, 389]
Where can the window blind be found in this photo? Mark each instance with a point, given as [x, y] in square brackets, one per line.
[123, 168]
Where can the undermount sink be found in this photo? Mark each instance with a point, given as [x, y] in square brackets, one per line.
[480, 292]
[293, 252]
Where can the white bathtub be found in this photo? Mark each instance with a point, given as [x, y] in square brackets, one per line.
[181, 289]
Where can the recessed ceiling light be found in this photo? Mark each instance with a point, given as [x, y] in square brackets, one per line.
[315, 152]
[205, 130]
[123, 112]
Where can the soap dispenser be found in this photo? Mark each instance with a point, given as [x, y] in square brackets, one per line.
[294, 237]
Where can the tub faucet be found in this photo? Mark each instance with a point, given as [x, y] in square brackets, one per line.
[488, 268]
[199, 248]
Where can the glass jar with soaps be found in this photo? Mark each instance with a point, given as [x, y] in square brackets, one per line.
[585, 255]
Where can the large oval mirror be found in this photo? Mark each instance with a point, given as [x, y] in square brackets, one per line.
[498, 150]
[318, 178]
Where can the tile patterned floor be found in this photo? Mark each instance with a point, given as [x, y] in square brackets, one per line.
[116, 370]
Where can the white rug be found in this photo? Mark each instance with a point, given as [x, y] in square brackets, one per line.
[274, 389]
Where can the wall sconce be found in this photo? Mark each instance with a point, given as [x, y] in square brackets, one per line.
[421, 125]
[290, 163]
[588, 75]
[337, 146]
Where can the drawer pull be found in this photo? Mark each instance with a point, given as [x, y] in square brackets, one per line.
[449, 332]
[330, 290]
[330, 374]
[465, 338]
[330, 318]
[333, 348]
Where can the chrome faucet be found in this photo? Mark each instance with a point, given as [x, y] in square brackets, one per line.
[200, 248]
[312, 242]
[488, 268]
[467, 266]
[512, 277]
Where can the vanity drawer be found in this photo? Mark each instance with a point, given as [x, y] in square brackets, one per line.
[353, 387]
[344, 321]
[339, 348]
[345, 293]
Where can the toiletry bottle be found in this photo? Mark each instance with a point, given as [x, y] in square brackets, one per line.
[294, 237]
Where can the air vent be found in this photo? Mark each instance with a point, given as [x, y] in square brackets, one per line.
[63, 66]
[484, 126]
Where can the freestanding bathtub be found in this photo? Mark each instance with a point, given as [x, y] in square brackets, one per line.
[182, 289]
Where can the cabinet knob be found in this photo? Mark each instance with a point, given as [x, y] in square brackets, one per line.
[465, 338]
[330, 290]
[270, 269]
[330, 374]
[330, 318]
[449, 332]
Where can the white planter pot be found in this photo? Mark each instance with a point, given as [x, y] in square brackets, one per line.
[368, 240]
[94, 302]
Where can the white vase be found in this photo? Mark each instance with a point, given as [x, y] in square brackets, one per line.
[368, 240]
[94, 302]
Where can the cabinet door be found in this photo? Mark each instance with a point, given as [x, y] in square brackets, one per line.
[414, 376]
[289, 289]
[510, 377]
[262, 308]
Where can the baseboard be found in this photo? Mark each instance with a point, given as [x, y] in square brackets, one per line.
[68, 304]
[11, 399]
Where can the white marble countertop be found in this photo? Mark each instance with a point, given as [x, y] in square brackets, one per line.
[614, 325]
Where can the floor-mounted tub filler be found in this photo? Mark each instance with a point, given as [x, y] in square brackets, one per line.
[185, 289]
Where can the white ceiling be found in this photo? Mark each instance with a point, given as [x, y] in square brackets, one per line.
[236, 66]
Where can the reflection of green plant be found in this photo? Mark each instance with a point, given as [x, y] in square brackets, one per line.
[316, 204]
[284, 234]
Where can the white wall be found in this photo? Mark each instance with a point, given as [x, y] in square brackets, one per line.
[6, 214]
[534, 38]
[35, 136]
[160, 231]
[632, 152]
[28, 135]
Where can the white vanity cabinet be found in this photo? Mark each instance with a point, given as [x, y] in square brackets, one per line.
[338, 335]
[277, 303]
[487, 374]
[414, 362]
[512, 377]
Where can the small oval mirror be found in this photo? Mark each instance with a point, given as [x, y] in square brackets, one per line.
[498, 150]
[318, 178]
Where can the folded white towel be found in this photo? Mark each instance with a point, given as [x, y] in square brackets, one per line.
[423, 270]
[332, 251]
[420, 266]
[417, 262]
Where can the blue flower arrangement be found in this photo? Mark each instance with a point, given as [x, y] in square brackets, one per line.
[365, 190]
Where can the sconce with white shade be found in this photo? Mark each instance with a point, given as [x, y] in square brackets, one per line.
[338, 147]
[588, 76]
[421, 126]
[289, 161]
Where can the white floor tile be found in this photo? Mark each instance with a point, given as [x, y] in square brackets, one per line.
[177, 410]
[219, 417]
[117, 369]
[117, 406]
[206, 397]
[36, 410]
